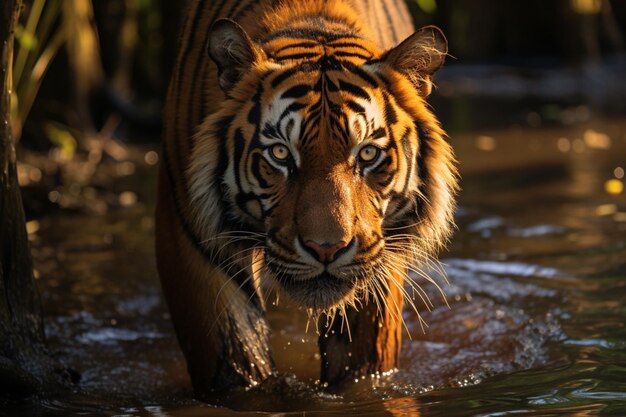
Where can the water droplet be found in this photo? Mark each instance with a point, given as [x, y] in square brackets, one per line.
[151, 158]
[32, 227]
[53, 196]
[485, 143]
[606, 209]
[596, 140]
[127, 198]
[563, 144]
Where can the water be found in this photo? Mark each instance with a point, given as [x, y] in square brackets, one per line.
[535, 323]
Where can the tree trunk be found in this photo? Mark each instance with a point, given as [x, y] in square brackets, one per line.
[24, 364]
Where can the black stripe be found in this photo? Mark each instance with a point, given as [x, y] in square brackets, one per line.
[272, 234]
[297, 91]
[239, 146]
[270, 131]
[357, 108]
[244, 283]
[288, 73]
[385, 81]
[181, 60]
[422, 131]
[254, 115]
[394, 34]
[360, 72]
[391, 117]
[280, 78]
[336, 124]
[349, 45]
[293, 107]
[408, 155]
[257, 158]
[402, 205]
[308, 127]
[301, 55]
[331, 87]
[369, 248]
[223, 127]
[424, 176]
[301, 33]
[390, 176]
[352, 55]
[305, 44]
[354, 90]
[240, 13]
[188, 46]
[378, 133]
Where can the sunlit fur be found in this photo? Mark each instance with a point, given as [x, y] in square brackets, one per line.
[407, 202]
[321, 79]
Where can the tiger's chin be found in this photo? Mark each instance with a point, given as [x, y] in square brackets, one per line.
[321, 293]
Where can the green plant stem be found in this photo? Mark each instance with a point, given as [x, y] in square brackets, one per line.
[31, 27]
[36, 77]
[46, 24]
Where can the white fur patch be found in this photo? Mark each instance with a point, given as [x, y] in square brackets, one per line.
[205, 200]
[272, 116]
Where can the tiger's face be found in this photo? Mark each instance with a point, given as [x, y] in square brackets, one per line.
[335, 160]
[330, 153]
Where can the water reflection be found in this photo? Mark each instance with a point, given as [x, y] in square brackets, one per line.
[535, 323]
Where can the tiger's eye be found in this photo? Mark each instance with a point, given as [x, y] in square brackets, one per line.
[280, 152]
[368, 153]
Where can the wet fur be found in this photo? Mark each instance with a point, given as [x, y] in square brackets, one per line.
[210, 250]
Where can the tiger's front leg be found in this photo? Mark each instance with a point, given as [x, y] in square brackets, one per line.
[217, 312]
[318, 143]
[369, 341]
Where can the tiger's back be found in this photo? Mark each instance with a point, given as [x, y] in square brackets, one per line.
[208, 217]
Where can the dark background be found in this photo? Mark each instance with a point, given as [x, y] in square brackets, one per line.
[124, 71]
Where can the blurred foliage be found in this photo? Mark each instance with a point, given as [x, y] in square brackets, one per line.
[136, 39]
[112, 58]
[37, 43]
[49, 26]
[427, 6]
[61, 137]
[82, 45]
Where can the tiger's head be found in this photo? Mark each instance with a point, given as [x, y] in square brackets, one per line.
[325, 152]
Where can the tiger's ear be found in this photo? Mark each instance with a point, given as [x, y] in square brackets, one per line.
[419, 56]
[232, 50]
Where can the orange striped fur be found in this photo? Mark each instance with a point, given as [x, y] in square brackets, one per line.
[299, 156]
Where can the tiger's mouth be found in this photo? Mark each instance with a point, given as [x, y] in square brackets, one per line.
[320, 292]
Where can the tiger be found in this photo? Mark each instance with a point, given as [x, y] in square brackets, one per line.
[300, 157]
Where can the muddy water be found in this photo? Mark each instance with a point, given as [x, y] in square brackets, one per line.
[534, 326]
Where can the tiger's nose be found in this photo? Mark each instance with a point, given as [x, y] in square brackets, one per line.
[324, 252]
